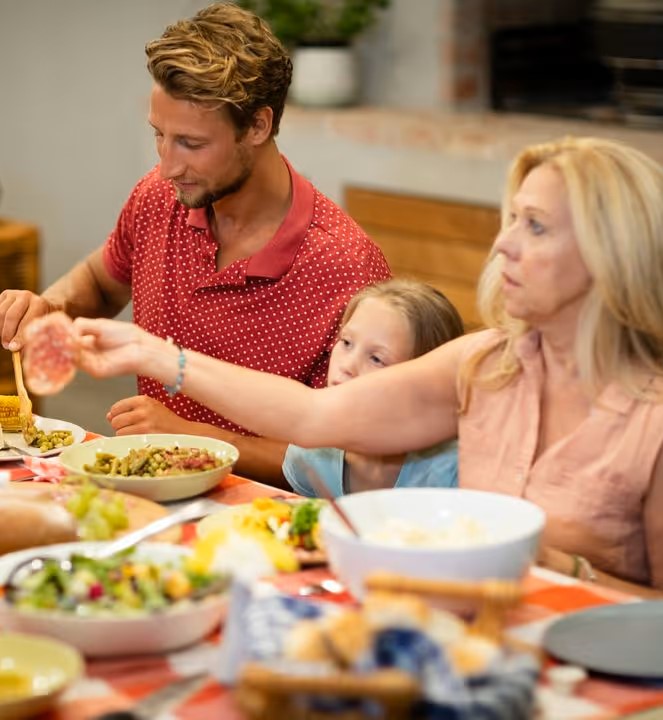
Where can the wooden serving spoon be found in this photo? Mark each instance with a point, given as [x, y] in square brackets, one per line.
[25, 404]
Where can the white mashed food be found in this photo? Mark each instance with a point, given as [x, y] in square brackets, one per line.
[464, 531]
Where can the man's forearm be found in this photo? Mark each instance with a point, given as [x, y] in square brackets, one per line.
[260, 458]
[87, 290]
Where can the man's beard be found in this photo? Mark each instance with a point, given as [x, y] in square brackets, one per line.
[209, 198]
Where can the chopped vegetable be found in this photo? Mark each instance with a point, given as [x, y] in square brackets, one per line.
[155, 461]
[118, 585]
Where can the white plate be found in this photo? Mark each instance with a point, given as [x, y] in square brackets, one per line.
[47, 425]
[622, 640]
[112, 636]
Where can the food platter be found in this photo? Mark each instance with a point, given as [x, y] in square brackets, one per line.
[47, 425]
[111, 635]
[255, 513]
[140, 511]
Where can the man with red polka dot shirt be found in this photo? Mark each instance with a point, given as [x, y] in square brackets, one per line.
[222, 247]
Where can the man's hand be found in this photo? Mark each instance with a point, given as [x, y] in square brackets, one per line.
[17, 309]
[141, 414]
[259, 458]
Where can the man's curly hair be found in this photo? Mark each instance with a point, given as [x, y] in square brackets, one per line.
[223, 56]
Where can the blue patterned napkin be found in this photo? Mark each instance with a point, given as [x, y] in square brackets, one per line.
[257, 625]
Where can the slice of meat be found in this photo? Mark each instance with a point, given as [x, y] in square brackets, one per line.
[50, 353]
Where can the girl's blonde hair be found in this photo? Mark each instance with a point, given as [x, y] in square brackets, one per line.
[615, 195]
[433, 319]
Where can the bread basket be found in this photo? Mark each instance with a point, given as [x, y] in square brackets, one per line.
[264, 691]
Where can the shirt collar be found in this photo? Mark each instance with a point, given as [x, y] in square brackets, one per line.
[275, 259]
[613, 398]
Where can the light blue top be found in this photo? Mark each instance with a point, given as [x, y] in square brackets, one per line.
[434, 467]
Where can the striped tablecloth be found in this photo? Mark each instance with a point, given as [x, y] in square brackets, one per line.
[113, 684]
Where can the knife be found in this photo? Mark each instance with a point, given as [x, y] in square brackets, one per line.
[159, 701]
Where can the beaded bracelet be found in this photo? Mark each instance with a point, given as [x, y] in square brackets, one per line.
[181, 364]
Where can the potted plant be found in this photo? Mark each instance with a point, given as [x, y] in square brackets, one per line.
[320, 35]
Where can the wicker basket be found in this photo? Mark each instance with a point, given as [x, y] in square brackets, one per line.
[263, 692]
[19, 269]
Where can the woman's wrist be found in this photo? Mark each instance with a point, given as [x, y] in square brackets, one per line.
[176, 386]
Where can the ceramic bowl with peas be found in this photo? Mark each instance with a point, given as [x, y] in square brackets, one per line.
[159, 467]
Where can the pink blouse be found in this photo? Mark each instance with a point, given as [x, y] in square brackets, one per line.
[591, 483]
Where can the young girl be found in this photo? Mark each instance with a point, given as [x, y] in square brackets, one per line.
[383, 324]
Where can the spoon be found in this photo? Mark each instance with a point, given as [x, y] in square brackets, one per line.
[34, 564]
[321, 490]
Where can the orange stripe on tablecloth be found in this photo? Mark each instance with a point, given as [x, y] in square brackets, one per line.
[533, 583]
[215, 702]
[132, 675]
[234, 490]
[526, 613]
[233, 480]
[626, 697]
[566, 598]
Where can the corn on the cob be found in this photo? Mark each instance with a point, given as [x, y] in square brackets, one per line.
[10, 417]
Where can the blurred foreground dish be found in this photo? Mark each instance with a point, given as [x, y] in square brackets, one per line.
[440, 533]
[149, 602]
[36, 671]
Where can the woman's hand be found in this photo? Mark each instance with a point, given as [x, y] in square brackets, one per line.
[553, 559]
[109, 347]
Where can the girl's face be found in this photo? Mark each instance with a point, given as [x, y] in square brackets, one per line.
[376, 335]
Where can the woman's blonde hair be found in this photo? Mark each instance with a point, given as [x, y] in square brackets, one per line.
[223, 57]
[433, 319]
[615, 195]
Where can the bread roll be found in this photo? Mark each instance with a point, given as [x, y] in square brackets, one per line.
[32, 519]
[472, 654]
[306, 642]
[348, 636]
[385, 610]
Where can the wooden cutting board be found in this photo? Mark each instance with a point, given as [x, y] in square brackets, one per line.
[140, 511]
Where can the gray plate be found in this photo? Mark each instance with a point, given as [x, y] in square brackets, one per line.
[622, 640]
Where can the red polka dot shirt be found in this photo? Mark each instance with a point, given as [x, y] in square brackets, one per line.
[276, 311]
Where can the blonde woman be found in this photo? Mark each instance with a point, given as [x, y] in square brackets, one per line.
[558, 402]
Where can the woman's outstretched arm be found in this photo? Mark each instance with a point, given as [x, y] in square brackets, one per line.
[405, 407]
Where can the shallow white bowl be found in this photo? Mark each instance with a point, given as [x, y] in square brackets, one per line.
[50, 664]
[162, 488]
[111, 636]
[514, 527]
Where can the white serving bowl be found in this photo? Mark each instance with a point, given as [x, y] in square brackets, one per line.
[98, 636]
[512, 529]
[163, 487]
